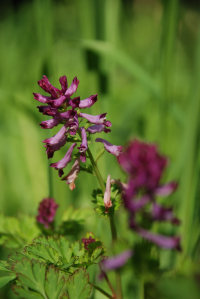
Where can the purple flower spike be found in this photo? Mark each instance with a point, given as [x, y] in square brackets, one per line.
[46, 86]
[97, 129]
[117, 261]
[106, 199]
[64, 161]
[50, 149]
[161, 241]
[46, 212]
[74, 102]
[96, 119]
[63, 83]
[41, 98]
[163, 214]
[72, 175]
[51, 123]
[48, 110]
[143, 162]
[113, 149]
[73, 88]
[166, 189]
[56, 138]
[83, 147]
[88, 102]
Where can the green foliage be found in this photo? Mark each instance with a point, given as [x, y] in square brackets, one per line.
[17, 232]
[115, 198]
[52, 268]
[73, 220]
[77, 285]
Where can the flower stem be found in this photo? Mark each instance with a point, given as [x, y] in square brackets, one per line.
[112, 223]
[96, 170]
[101, 290]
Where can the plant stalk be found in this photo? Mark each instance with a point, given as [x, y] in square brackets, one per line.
[101, 290]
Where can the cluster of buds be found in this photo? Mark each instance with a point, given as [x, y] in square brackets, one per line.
[145, 166]
[66, 111]
[46, 212]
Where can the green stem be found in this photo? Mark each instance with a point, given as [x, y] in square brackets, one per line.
[112, 223]
[96, 170]
[141, 289]
[101, 290]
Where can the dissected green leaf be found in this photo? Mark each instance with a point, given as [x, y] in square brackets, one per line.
[54, 283]
[6, 279]
[28, 294]
[43, 251]
[31, 274]
[33, 279]
[4, 266]
[17, 232]
[78, 286]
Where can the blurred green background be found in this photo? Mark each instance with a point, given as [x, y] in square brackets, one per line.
[142, 57]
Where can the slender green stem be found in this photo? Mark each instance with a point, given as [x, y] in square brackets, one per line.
[141, 289]
[96, 170]
[112, 223]
[101, 290]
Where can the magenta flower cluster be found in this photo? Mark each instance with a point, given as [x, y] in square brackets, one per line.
[66, 110]
[46, 212]
[145, 166]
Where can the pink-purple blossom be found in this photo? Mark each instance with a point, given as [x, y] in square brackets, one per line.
[111, 148]
[72, 175]
[98, 129]
[64, 161]
[107, 194]
[46, 211]
[116, 261]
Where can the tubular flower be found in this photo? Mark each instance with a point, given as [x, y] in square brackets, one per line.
[46, 211]
[113, 149]
[145, 167]
[116, 261]
[106, 199]
[64, 161]
[96, 119]
[72, 175]
[83, 147]
[97, 129]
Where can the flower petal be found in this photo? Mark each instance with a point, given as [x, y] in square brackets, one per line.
[41, 98]
[73, 88]
[97, 129]
[57, 102]
[117, 261]
[88, 102]
[46, 86]
[106, 199]
[113, 149]
[160, 240]
[96, 119]
[56, 138]
[163, 214]
[65, 160]
[50, 149]
[51, 123]
[74, 102]
[166, 189]
[63, 83]
[72, 175]
[83, 147]
[48, 110]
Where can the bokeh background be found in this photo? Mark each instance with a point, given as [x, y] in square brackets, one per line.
[142, 57]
